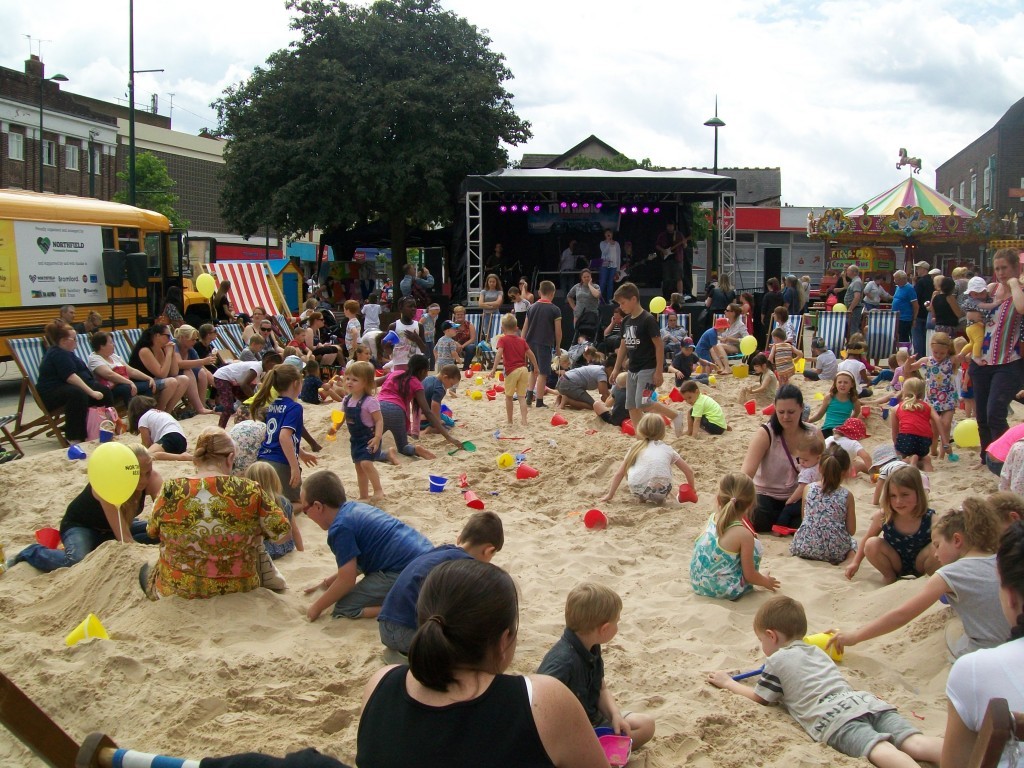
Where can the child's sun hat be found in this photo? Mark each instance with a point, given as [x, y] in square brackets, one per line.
[852, 428]
[882, 456]
[721, 324]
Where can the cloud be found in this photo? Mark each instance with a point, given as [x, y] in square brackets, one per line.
[826, 90]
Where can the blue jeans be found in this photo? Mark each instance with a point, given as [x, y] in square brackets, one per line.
[607, 283]
[920, 334]
[994, 388]
[78, 542]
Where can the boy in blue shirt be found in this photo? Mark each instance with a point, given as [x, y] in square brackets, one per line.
[364, 540]
[711, 354]
[592, 613]
[481, 538]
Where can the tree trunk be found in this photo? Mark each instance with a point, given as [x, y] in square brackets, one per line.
[398, 227]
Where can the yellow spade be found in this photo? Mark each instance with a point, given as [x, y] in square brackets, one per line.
[821, 640]
[819, 395]
[90, 629]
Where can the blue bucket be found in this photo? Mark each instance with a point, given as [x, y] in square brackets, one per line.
[437, 483]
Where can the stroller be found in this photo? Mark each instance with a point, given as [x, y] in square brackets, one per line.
[484, 355]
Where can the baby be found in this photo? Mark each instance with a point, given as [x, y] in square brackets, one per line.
[977, 294]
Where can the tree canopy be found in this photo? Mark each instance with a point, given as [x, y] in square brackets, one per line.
[153, 185]
[375, 112]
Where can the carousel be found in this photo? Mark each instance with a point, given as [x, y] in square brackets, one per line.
[910, 214]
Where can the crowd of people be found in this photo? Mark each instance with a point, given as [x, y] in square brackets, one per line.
[450, 617]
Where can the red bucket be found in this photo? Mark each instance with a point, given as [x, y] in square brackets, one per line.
[48, 537]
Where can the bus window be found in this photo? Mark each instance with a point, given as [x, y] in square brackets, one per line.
[155, 250]
[128, 240]
[108, 238]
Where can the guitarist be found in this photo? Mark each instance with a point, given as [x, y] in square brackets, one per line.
[677, 271]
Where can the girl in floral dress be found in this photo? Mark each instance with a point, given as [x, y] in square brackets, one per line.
[727, 555]
[939, 372]
[830, 517]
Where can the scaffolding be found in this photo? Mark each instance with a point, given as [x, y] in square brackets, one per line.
[727, 235]
[474, 246]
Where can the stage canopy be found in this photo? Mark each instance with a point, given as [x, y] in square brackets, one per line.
[555, 200]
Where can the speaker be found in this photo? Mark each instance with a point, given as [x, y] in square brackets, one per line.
[138, 270]
[113, 267]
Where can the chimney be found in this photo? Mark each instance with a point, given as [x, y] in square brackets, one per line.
[34, 66]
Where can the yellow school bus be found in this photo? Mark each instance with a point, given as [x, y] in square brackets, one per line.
[53, 249]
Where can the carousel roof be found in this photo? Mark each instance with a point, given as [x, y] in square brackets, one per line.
[912, 193]
[909, 212]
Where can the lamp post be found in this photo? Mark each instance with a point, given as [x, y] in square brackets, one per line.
[58, 78]
[92, 162]
[716, 123]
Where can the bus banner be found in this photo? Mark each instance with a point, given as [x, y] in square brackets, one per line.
[42, 264]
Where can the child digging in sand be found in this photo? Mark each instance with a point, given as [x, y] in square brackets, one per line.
[648, 464]
[808, 684]
[703, 411]
[592, 613]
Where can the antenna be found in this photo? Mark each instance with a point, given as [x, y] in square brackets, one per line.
[39, 45]
[170, 114]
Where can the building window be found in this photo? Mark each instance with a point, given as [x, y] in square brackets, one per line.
[952, 193]
[961, 193]
[71, 157]
[15, 146]
[49, 153]
[974, 191]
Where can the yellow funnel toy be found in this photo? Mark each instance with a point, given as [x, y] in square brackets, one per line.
[90, 629]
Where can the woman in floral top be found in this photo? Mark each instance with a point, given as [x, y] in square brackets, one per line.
[210, 527]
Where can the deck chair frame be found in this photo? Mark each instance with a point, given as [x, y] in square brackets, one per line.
[231, 335]
[28, 354]
[882, 328]
[997, 728]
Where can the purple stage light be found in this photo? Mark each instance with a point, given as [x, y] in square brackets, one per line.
[646, 209]
[536, 209]
[563, 204]
[586, 205]
[575, 205]
[598, 206]
[503, 208]
[515, 208]
[657, 210]
[633, 209]
[622, 209]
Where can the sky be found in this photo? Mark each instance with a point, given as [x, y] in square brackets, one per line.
[827, 91]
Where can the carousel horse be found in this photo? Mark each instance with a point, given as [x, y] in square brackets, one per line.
[913, 162]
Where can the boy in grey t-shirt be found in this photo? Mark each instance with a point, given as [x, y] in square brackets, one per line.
[806, 682]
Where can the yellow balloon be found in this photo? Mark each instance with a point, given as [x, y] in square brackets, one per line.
[839, 307]
[657, 305]
[965, 434]
[748, 345]
[206, 285]
[114, 472]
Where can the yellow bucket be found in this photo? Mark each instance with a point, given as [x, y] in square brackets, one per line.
[740, 371]
[798, 365]
[821, 640]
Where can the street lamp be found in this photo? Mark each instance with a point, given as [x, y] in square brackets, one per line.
[716, 123]
[58, 78]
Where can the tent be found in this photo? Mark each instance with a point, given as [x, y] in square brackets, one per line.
[250, 285]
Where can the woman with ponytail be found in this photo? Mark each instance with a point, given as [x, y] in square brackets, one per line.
[965, 542]
[281, 447]
[727, 556]
[994, 672]
[442, 709]
[210, 526]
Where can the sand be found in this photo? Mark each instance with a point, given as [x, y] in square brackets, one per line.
[249, 672]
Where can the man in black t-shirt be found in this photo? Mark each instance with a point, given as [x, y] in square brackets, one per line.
[642, 343]
[924, 287]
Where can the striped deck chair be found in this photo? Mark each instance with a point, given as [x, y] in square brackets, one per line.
[284, 330]
[831, 326]
[881, 334]
[797, 323]
[231, 335]
[132, 336]
[122, 345]
[28, 354]
[684, 321]
[84, 348]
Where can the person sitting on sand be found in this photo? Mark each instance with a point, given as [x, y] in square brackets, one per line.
[364, 540]
[445, 707]
[592, 614]
[482, 537]
[809, 685]
[210, 527]
[89, 521]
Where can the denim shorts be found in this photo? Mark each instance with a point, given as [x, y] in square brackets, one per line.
[859, 736]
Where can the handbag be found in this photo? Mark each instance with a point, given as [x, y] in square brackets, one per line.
[95, 417]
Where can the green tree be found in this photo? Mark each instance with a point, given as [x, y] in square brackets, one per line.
[376, 112]
[153, 185]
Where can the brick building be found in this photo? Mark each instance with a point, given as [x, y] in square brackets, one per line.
[989, 172]
[79, 144]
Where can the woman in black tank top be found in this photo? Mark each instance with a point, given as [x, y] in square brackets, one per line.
[154, 354]
[453, 704]
[89, 521]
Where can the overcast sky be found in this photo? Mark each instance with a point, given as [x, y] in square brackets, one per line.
[828, 91]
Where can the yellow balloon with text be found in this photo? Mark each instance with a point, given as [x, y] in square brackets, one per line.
[748, 345]
[206, 285]
[114, 472]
